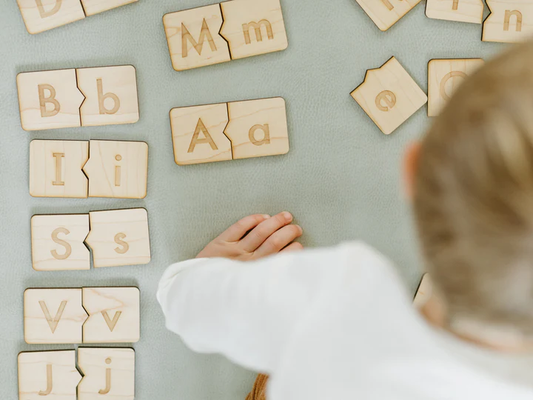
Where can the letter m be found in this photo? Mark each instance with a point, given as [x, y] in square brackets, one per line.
[246, 28]
[204, 34]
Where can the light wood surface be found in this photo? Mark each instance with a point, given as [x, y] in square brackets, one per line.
[424, 292]
[48, 375]
[114, 315]
[253, 27]
[107, 374]
[57, 242]
[444, 77]
[470, 11]
[119, 237]
[49, 99]
[198, 134]
[385, 13]
[110, 95]
[509, 21]
[193, 37]
[42, 15]
[389, 96]
[258, 128]
[117, 169]
[97, 6]
[56, 168]
[53, 316]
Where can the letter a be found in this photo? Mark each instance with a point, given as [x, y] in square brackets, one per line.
[266, 139]
[200, 127]
[50, 99]
[204, 34]
[45, 14]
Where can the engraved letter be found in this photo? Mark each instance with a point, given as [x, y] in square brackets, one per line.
[507, 20]
[53, 322]
[102, 97]
[204, 34]
[59, 162]
[50, 99]
[118, 170]
[447, 77]
[44, 13]
[388, 97]
[200, 127]
[266, 139]
[125, 246]
[111, 323]
[388, 4]
[257, 26]
[49, 382]
[68, 247]
[455, 6]
[107, 378]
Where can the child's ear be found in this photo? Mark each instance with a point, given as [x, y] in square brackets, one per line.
[410, 166]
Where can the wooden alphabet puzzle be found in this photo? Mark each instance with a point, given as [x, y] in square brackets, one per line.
[235, 130]
[508, 21]
[389, 96]
[78, 97]
[385, 13]
[470, 11]
[222, 32]
[444, 77]
[93, 7]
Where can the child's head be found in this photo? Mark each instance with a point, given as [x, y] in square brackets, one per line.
[473, 199]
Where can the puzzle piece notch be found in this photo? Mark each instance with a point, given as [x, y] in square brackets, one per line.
[469, 11]
[385, 13]
[508, 22]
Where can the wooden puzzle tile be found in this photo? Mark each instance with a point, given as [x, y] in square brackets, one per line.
[42, 15]
[424, 292]
[110, 95]
[444, 77]
[470, 11]
[258, 128]
[389, 96]
[49, 99]
[253, 27]
[48, 375]
[198, 134]
[117, 169]
[57, 242]
[56, 168]
[107, 374]
[119, 237]
[508, 21]
[114, 315]
[193, 37]
[53, 316]
[97, 6]
[386, 13]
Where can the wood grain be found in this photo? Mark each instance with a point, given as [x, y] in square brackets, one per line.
[470, 11]
[93, 7]
[42, 15]
[385, 13]
[509, 21]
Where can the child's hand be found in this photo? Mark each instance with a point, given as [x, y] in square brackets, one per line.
[254, 237]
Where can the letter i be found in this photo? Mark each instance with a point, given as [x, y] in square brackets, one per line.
[118, 170]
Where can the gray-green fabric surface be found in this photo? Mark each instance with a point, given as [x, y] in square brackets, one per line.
[341, 178]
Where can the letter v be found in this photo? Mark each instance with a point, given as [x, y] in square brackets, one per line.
[111, 323]
[55, 321]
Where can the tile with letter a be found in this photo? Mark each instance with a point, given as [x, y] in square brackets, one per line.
[42, 15]
[50, 375]
[253, 27]
[389, 96]
[258, 128]
[198, 134]
[111, 95]
[53, 316]
[57, 242]
[114, 315]
[193, 37]
[119, 237]
[508, 21]
[108, 374]
[386, 13]
[117, 169]
[97, 6]
[444, 77]
[56, 168]
[49, 99]
[470, 11]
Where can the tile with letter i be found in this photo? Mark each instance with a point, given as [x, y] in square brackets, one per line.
[470, 11]
[385, 13]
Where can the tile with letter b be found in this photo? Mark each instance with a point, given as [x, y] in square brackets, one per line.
[57, 242]
[253, 27]
[444, 77]
[53, 316]
[389, 96]
[470, 11]
[110, 95]
[193, 37]
[508, 21]
[198, 134]
[49, 99]
[108, 373]
[385, 13]
[42, 15]
[119, 237]
[50, 375]
[56, 168]
[97, 6]
[114, 315]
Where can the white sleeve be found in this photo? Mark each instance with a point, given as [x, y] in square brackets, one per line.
[245, 311]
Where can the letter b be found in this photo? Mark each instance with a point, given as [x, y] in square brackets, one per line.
[51, 98]
[102, 98]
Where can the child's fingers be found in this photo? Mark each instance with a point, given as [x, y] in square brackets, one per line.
[235, 232]
[293, 247]
[263, 231]
[279, 240]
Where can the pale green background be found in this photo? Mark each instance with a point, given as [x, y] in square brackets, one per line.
[340, 179]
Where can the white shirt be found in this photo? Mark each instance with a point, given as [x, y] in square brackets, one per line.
[325, 324]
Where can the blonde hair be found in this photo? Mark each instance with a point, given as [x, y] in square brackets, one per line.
[473, 197]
